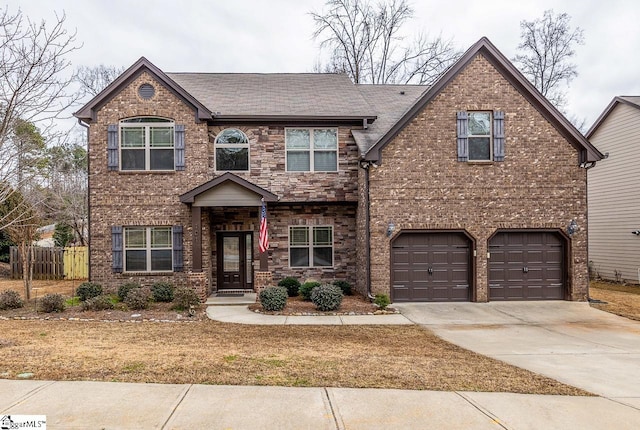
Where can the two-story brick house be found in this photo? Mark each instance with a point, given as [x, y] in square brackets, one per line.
[464, 190]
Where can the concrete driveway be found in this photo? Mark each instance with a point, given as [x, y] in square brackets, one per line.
[567, 341]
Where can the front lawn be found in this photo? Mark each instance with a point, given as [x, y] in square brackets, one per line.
[623, 300]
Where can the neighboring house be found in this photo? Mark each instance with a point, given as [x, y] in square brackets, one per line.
[459, 191]
[614, 194]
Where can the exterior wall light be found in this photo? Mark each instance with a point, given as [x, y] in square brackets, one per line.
[572, 227]
[391, 227]
[636, 232]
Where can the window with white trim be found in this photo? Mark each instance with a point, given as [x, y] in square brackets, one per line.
[480, 136]
[232, 150]
[147, 144]
[310, 246]
[311, 149]
[148, 249]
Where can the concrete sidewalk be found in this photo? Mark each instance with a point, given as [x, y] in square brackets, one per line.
[242, 315]
[109, 405]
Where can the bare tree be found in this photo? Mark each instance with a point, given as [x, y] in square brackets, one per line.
[546, 49]
[35, 76]
[95, 79]
[365, 42]
[21, 225]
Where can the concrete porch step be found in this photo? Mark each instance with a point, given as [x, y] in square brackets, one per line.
[246, 299]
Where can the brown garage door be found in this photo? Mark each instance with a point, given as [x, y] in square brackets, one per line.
[430, 267]
[526, 266]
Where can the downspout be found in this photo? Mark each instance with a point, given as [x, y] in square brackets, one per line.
[88, 224]
[367, 234]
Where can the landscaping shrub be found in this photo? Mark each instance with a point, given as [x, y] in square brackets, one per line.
[326, 297]
[10, 299]
[162, 291]
[88, 290]
[382, 301]
[344, 286]
[138, 298]
[52, 303]
[291, 284]
[98, 303]
[184, 297]
[273, 298]
[306, 288]
[124, 289]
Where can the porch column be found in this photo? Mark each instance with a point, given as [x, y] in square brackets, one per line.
[264, 261]
[196, 238]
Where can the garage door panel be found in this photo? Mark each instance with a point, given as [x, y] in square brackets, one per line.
[430, 267]
[526, 266]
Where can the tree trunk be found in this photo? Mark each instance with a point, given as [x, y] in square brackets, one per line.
[26, 254]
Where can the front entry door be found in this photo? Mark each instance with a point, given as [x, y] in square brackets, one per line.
[235, 256]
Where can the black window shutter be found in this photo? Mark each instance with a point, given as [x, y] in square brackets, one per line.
[178, 253]
[116, 248]
[498, 136]
[112, 147]
[463, 136]
[179, 147]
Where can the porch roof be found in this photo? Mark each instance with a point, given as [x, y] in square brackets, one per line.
[219, 191]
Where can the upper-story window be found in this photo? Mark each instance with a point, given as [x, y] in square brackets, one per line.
[480, 136]
[232, 150]
[311, 149]
[147, 144]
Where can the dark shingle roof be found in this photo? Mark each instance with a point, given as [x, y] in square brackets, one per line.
[389, 102]
[276, 94]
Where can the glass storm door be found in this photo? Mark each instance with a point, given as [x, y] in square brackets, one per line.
[235, 255]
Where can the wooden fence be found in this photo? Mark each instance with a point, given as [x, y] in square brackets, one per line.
[53, 263]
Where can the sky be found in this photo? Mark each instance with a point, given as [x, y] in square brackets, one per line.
[260, 36]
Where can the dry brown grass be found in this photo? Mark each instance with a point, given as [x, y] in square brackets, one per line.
[66, 288]
[623, 300]
[208, 352]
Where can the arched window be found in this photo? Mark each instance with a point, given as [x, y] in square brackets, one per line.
[232, 150]
[147, 143]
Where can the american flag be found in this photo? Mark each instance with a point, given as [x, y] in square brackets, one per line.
[263, 242]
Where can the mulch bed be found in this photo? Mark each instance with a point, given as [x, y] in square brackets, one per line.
[351, 305]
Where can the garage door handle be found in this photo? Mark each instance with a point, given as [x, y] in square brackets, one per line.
[525, 270]
[430, 271]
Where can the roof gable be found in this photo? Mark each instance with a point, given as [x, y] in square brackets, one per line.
[190, 196]
[88, 111]
[633, 101]
[588, 153]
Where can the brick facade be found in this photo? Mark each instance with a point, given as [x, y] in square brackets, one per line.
[420, 185]
[119, 198]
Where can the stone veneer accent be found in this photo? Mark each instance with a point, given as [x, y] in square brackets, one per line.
[420, 185]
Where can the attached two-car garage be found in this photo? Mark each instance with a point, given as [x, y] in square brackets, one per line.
[437, 266]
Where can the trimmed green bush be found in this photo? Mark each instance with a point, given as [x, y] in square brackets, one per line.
[10, 299]
[162, 291]
[306, 288]
[138, 298]
[88, 290]
[326, 297]
[291, 284]
[124, 289]
[273, 298]
[184, 297]
[344, 286]
[382, 301]
[52, 303]
[98, 303]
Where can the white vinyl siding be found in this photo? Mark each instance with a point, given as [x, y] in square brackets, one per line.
[614, 196]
